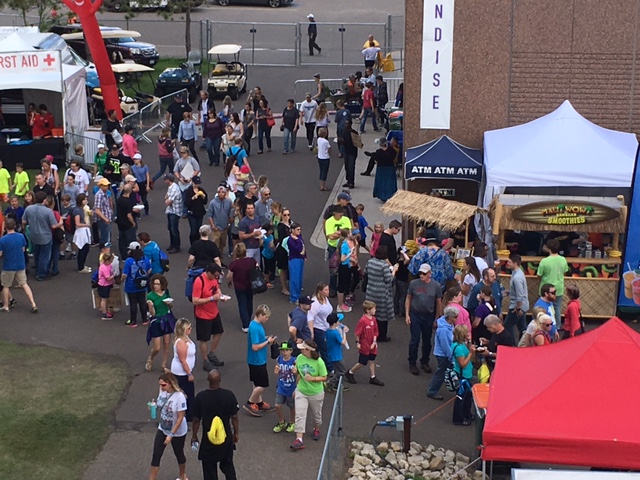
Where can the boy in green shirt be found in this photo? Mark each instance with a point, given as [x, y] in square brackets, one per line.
[551, 270]
[21, 181]
[5, 183]
[100, 160]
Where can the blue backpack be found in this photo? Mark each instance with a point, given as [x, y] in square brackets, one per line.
[94, 278]
[164, 261]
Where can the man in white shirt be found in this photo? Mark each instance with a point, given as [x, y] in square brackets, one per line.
[81, 176]
[308, 117]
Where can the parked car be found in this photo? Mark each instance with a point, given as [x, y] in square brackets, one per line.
[271, 3]
[120, 5]
[121, 45]
[227, 78]
[175, 79]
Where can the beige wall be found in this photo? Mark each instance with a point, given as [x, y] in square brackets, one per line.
[515, 60]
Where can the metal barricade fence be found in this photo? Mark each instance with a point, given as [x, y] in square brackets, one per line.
[90, 145]
[301, 87]
[152, 116]
[333, 454]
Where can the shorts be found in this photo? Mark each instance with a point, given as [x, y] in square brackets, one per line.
[235, 236]
[8, 277]
[362, 242]
[364, 358]
[259, 376]
[104, 291]
[282, 259]
[282, 400]
[269, 264]
[206, 328]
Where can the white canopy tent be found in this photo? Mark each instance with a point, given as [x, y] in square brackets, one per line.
[70, 84]
[561, 149]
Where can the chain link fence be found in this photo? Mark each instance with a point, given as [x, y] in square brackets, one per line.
[332, 463]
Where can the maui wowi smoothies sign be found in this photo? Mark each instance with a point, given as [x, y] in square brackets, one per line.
[564, 213]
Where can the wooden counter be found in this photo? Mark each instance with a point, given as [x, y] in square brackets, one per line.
[598, 296]
[580, 260]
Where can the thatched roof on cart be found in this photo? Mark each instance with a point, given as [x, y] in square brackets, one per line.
[445, 214]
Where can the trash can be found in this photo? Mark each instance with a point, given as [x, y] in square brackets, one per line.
[480, 392]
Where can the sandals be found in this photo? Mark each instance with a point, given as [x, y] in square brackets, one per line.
[148, 365]
[34, 310]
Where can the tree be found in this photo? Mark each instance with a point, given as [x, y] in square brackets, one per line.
[46, 10]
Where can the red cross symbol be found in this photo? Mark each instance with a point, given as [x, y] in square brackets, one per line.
[49, 59]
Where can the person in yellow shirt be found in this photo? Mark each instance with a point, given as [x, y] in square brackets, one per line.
[21, 181]
[5, 183]
[369, 40]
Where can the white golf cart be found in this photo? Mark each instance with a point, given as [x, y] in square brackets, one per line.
[227, 77]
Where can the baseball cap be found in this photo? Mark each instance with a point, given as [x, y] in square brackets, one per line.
[244, 169]
[137, 156]
[344, 196]
[310, 15]
[134, 246]
[334, 318]
[285, 346]
[129, 178]
[306, 300]
[425, 268]
[115, 147]
[169, 176]
[104, 181]
[317, 75]
[197, 180]
[222, 188]
[101, 145]
[107, 245]
[308, 94]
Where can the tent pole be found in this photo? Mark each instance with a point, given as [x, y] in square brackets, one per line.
[484, 469]
[466, 233]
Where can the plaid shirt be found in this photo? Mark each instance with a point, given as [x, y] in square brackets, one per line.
[175, 195]
[101, 202]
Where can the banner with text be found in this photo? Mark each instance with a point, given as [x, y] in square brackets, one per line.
[629, 292]
[437, 64]
[30, 63]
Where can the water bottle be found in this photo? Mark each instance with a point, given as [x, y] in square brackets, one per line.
[153, 409]
[195, 446]
[346, 344]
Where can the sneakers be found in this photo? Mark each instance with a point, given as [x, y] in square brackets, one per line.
[107, 316]
[131, 324]
[376, 381]
[253, 409]
[344, 308]
[351, 378]
[245, 330]
[413, 368]
[265, 407]
[207, 366]
[85, 270]
[215, 360]
[280, 427]
[291, 427]
[316, 434]
[297, 444]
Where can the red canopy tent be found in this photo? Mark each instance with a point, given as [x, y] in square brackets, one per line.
[576, 402]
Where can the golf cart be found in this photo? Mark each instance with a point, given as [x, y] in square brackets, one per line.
[227, 78]
[186, 76]
[126, 75]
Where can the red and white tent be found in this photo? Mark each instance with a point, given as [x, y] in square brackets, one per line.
[576, 402]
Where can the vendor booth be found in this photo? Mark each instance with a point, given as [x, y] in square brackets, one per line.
[588, 229]
[447, 167]
[569, 403]
[28, 75]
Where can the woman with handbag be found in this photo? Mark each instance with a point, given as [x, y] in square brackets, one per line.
[265, 123]
[173, 427]
[163, 321]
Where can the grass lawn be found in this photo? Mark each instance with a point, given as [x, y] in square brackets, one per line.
[55, 410]
[148, 80]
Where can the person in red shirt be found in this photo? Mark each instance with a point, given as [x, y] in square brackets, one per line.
[42, 123]
[368, 105]
[367, 343]
[206, 294]
[572, 325]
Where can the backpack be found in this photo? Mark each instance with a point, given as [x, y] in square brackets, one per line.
[217, 434]
[258, 285]
[140, 277]
[451, 378]
[69, 223]
[164, 260]
[94, 278]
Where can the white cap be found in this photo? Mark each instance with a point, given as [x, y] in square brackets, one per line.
[310, 15]
[101, 145]
[137, 156]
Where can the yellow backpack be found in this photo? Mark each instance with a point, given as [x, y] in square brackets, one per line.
[217, 434]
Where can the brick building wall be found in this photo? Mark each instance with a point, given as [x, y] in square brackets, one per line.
[516, 60]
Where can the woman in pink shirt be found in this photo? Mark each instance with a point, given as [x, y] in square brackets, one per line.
[129, 144]
[106, 279]
[572, 325]
[453, 297]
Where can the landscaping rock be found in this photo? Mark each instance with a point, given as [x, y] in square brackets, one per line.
[437, 463]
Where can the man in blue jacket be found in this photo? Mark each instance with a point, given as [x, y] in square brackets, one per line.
[442, 349]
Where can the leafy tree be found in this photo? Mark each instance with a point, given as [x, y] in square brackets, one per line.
[46, 10]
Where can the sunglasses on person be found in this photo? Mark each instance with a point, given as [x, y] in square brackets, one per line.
[548, 324]
[286, 214]
[425, 273]
[552, 292]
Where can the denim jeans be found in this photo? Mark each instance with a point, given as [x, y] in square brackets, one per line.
[54, 268]
[324, 168]
[165, 164]
[213, 150]
[319, 336]
[462, 407]
[125, 237]
[195, 222]
[399, 297]
[512, 323]
[438, 377]
[173, 225]
[83, 253]
[311, 128]
[368, 112]
[245, 306]
[289, 139]
[42, 257]
[421, 327]
[264, 132]
[350, 168]
[104, 230]
[339, 133]
[296, 274]
[557, 306]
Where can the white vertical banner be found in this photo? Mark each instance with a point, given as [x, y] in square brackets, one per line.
[437, 63]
